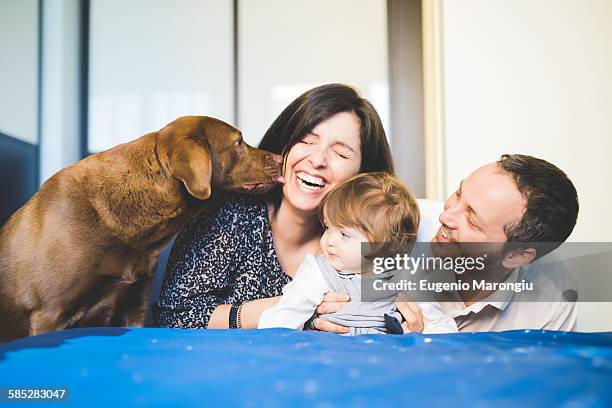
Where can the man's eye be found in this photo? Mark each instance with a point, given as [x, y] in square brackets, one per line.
[472, 223]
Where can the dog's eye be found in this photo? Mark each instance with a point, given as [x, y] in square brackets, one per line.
[238, 142]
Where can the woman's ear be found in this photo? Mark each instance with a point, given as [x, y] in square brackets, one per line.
[191, 163]
[518, 257]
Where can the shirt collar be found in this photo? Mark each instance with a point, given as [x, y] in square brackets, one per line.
[459, 308]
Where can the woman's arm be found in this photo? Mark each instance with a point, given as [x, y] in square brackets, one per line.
[300, 298]
[251, 311]
[197, 276]
[307, 286]
[249, 314]
[204, 270]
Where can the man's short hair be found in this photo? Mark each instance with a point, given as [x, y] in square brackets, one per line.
[552, 202]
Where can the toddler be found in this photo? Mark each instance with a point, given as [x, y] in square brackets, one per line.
[369, 207]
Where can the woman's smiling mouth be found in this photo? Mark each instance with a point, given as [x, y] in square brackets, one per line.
[310, 183]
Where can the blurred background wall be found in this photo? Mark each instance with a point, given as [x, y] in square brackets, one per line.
[456, 82]
[525, 76]
[19, 103]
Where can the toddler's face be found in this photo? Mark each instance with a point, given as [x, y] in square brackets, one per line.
[342, 247]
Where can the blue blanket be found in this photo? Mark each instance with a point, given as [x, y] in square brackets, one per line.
[159, 367]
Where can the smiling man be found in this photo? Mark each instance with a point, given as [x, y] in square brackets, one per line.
[516, 202]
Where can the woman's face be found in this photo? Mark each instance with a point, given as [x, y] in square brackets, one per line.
[328, 155]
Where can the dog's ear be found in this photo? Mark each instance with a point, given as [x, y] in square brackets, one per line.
[192, 165]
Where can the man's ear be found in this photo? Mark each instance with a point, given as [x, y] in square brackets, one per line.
[191, 163]
[518, 257]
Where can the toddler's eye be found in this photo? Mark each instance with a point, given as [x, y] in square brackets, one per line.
[345, 235]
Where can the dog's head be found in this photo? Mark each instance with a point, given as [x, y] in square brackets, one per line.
[206, 153]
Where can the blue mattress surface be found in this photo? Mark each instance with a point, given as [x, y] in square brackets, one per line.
[109, 367]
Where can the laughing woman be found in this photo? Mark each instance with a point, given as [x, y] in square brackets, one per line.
[233, 259]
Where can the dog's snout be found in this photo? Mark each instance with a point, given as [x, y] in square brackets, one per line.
[273, 162]
[276, 158]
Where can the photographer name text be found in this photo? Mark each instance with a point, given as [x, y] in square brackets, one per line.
[459, 285]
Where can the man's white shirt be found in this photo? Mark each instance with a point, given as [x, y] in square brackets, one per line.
[547, 274]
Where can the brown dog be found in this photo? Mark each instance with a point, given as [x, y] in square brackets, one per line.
[83, 250]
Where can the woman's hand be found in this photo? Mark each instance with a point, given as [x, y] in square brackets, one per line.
[413, 315]
[332, 302]
[249, 313]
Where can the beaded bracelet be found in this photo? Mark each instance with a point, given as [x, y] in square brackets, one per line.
[239, 316]
[233, 316]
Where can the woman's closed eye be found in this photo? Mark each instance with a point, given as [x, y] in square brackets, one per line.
[309, 139]
[343, 152]
[342, 155]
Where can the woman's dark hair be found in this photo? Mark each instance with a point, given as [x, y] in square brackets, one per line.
[552, 203]
[319, 104]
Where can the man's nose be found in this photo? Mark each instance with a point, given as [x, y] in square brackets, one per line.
[450, 216]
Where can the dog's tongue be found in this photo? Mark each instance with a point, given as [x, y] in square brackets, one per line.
[280, 180]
